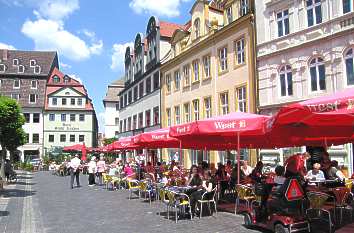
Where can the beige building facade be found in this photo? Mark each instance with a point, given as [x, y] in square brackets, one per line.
[210, 71]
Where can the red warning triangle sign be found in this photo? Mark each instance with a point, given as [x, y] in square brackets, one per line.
[294, 191]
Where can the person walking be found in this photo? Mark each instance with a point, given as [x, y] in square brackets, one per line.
[74, 167]
[91, 171]
[101, 168]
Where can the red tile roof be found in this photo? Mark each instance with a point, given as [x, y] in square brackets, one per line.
[167, 29]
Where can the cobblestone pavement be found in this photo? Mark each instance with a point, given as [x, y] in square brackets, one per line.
[43, 203]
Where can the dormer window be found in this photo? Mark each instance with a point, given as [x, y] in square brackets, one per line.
[56, 79]
[32, 63]
[37, 69]
[66, 79]
[15, 62]
[21, 69]
[196, 28]
[2, 68]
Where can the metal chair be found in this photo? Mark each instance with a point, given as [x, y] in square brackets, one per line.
[144, 188]
[179, 204]
[244, 193]
[318, 202]
[208, 201]
[133, 186]
[341, 197]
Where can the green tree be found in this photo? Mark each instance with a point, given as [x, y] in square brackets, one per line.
[11, 133]
[108, 141]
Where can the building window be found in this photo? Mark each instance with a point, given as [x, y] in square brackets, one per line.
[207, 65]
[2, 68]
[147, 118]
[82, 117]
[63, 101]
[32, 63]
[117, 106]
[196, 71]
[27, 138]
[229, 15]
[54, 101]
[32, 98]
[347, 6]
[207, 107]
[121, 126]
[129, 123]
[286, 81]
[34, 84]
[130, 97]
[63, 117]
[20, 69]
[244, 7]
[52, 117]
[156, 115]
[283, 23]
[66, 79]
[196, 109]
[177, 80]
[35, 138]
[168, 83]
[177, 115]
[51, 138]
[148, 85]
[17, 84]
[135, 93]
[15, 62]
[187, 112]
[125, 125]
[62, 138]
[168, 114]
[223, 59]
[241, 101]
[72, 117]
[196, 28]
[349, 67]
[27, 117]
[126, 100]
[318, 74]
[116, 121]
[140, 120]
[240, 51]
[81, 138]
[314, 12]
[15, 97]
[186, 75]
[79, 102]
[72, 101]
[224, 103]
[135, 121]
[156, 81]
[56, 79]
[72, 137]
[36, 117]
[141, 90]
[37, 69]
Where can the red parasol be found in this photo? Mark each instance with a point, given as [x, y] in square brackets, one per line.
[83, 152]
[126, 143]
[156, 139]
[74, 148]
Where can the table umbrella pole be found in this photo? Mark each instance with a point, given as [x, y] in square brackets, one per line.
[238, 157]
[180, 152]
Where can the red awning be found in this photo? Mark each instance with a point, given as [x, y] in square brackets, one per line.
[126, 143]
[156, 139]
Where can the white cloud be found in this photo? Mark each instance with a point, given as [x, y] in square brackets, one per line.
[119, 55]
[57, 9]
[6, 46]
[51, 35]
[169, 8]
[65, 66]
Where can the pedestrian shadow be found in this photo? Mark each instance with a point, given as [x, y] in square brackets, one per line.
[8, 193]
[4, 213]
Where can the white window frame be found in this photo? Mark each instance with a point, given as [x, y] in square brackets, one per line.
[51, 117]
[224, 103]
[177, 80]
[56, 103]
[223, 66]
[36, 82]
[196, 26]
[312, 8]
[350, 5]
[196, 75]
[15, 96]
[168, 83]
[282, 20]
[63, 117]
[20, 69]
[241, 94]
[177, 116]
[35, 98]
[15, 62]
[196, 110]
[207, 107]
[34, 61]
[240, 51]
[169, 119]
[35, 69]
[317, 64]
[229, 15]
[243, 7]
[348, 56]
[187, 112]
[187, 75]
[19, 84]
[2, 68]
[285, 71]
[207, 66]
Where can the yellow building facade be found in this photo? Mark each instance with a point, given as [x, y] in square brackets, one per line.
[210, 71]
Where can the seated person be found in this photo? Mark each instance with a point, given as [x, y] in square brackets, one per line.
[150, 170]
[295, 165]
[334, 172]
[279, 178]
[129, 172]
[315, 174]
[223, 179]
[256, 174]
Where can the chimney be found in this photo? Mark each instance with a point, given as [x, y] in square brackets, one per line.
[4, 54]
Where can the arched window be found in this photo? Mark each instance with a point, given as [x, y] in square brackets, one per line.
[318, 74]
[286, 81]
[349, 66]
[196, 28]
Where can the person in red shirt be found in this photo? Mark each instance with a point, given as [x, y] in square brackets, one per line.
[295, 165]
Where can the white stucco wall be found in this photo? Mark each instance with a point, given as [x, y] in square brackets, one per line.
[110, 115]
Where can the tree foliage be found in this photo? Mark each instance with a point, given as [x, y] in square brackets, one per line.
[108, 141]
[11, 133]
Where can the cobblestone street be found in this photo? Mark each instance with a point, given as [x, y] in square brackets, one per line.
[44, 203]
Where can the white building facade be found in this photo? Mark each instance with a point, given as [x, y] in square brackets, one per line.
[111, 106]
[304, 50]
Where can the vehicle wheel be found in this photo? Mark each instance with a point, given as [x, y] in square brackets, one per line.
[279, 228]
[247, 220]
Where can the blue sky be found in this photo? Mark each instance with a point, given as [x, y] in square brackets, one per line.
[89, 35]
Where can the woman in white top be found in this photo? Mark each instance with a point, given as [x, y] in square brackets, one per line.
[92, 170]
